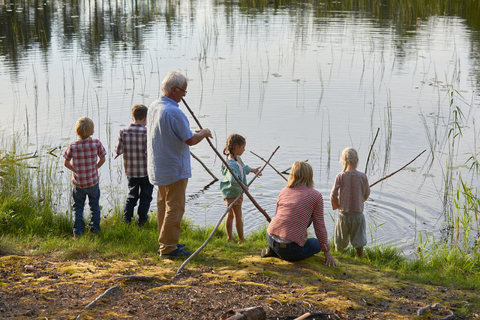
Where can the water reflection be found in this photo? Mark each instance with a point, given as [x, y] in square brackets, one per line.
[311, 76]
[99, 27]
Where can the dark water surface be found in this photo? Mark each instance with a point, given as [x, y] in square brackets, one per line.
[311, 77]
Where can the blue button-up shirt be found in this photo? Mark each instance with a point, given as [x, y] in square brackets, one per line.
[168, 156]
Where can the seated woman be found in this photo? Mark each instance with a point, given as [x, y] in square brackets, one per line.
[298, 205]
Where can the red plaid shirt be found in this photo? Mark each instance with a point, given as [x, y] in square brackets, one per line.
[132, 142]
[83, 154]
[296, 207]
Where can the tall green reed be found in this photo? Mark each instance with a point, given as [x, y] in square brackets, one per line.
[29, 192]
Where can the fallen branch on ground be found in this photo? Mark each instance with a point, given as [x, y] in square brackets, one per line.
[139, 278]
[106, 293]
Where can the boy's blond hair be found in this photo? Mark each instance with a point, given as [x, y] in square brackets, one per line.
[301, 174]
[139, 112]
[349, 155]
[84, 127]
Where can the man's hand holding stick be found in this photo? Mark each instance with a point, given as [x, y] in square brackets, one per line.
[245, 190]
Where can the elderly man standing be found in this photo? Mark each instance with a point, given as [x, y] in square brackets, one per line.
[168, 139]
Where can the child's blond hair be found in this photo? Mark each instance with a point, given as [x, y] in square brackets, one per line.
[84, 127]
[349, 155]
[139, 112]
[301, 174]
[232, 141]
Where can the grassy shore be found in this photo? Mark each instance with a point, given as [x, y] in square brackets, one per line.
[31, 229]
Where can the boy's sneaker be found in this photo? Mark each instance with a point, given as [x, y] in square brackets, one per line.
[177, 253]
[268, 252]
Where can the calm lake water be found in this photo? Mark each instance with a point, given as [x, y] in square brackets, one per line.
[311, 77]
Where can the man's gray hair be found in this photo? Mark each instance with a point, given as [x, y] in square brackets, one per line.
[172, 80]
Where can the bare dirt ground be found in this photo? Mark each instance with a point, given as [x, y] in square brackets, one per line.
[44, 287]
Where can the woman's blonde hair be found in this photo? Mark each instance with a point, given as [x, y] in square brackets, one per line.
[301, 174]
[84, 127]
[349, 155]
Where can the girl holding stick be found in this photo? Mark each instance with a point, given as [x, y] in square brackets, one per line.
[230, 189]
[349, 192]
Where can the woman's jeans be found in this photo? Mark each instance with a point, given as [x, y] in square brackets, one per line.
[292, 251]
[79, 197]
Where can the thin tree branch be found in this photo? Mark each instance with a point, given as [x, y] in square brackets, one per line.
[370, 151]
[391, 174]
[203, 165]
[270, 165]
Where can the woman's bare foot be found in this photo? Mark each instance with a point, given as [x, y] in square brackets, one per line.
[231, 240]
[241, 240]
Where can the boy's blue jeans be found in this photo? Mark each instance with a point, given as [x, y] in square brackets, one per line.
[292, 251]
[79, 197]
[138, 188]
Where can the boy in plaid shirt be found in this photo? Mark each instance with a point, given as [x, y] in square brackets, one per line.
[81, 159]
[132, 143]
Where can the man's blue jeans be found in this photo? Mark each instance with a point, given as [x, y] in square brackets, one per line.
[292, 251]
[79, 197]
[138, 188]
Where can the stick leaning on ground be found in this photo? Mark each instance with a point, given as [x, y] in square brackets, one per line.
[228, 167]
[221, 218]
[391, 174]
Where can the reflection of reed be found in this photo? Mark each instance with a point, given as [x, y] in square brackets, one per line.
[388, 122]
[35, 90]
[322, 91]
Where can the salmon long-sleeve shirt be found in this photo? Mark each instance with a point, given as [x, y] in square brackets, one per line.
[296, 207]
[353, 189]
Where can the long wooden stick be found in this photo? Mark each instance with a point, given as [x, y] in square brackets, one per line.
[204, 166]
[266, 162]
[228, 167]
[391, 174]
[370, 151]
[221, 219]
